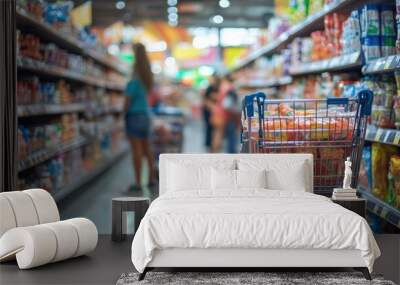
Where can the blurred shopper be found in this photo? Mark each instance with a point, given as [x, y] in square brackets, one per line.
[232, 115]
[208, 104]
[137, 118]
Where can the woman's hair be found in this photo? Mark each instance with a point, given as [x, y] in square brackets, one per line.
[141, 68]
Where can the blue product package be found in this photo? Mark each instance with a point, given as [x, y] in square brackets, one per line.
[365, 177]
[57, 12]
[371, 46]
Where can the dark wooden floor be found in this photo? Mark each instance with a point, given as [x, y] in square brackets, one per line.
[103, 266]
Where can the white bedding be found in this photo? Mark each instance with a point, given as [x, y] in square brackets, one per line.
[253, 218]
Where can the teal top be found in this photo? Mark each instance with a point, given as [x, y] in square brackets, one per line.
[138, 97]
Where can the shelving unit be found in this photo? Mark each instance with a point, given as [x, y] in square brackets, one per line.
[386, 136]
[45, 154]
[43, 69]
[48, 109]
[380, 208]
[27, 66]
[305, 27]
[66, 41]
[339, 63]
[260, 83]
[382, 65]
[351, 63]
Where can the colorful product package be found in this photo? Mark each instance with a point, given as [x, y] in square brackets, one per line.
[393, 194]
[365, 175]
[381, 154]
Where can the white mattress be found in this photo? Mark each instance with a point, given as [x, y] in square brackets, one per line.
[253, 219]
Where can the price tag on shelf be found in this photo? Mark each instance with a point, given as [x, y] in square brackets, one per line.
[389, 61]
[396, 139]
[389, 136]
[378, 135]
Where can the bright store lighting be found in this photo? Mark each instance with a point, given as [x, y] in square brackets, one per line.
[170, 61]
[172, 2]
[113, 49]
[120, 5]
[172, 17]
[206, 71]
[224, 3]
[218, 19]
[157, 47]
[172, 10]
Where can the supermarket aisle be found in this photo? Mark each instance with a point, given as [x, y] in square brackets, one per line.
[93, 201]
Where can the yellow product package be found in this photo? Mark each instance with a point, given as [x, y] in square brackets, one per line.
[381, 154]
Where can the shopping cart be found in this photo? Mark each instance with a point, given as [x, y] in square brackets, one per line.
[331, 129]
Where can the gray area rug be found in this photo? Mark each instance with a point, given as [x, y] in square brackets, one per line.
[269, 278]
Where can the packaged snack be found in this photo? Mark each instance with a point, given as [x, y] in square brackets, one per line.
[370, 20]
[393, 194]
[387, 23]
[381, 154]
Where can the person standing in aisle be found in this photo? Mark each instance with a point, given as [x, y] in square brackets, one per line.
[232, 115]
[208, 105]
[137, 116]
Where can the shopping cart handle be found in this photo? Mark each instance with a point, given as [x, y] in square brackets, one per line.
[337, 101]
[249, 102]
[365, 98]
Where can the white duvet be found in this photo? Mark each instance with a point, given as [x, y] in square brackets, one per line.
[250, 219]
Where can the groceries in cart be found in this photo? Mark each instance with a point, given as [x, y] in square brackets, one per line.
[303, 122]
[331, 129]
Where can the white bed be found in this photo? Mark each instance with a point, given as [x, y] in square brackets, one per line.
[232, 226]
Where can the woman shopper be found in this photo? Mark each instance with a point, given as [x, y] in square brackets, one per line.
[137, 116]
[208, 105]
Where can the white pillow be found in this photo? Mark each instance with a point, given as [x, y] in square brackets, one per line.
[184, 178]
[189, 174]
[223, 179]
[251, 179]
[281, 174]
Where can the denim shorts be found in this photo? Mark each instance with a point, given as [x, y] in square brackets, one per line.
[137, 125]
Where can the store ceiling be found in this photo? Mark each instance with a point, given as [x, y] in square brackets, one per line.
[192, 13]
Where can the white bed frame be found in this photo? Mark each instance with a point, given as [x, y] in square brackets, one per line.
[251, 258]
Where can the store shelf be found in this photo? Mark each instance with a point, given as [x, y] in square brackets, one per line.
[41, 68]
[380, 208]
[85, 178]
[48, 109]
[383, 64]
[260, 83]
[63, 40]
[303, 28]
[46, 154]
[338, 63]
[386, 136]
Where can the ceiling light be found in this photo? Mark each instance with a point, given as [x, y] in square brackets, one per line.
[218, 19]
[173, 17]
[120, 5]
[224, 3]
[172, 2]
[172, 10]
